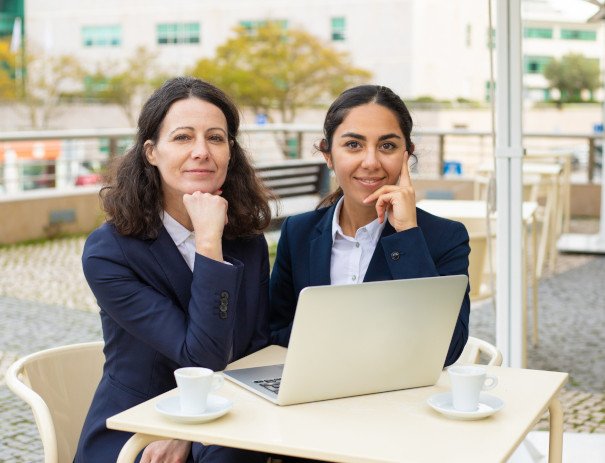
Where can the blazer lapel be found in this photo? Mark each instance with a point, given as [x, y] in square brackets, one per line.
[173, 265]
[378, 269]
[320, 251]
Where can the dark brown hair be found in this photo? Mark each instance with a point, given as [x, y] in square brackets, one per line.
[359, 96]
[132, 198]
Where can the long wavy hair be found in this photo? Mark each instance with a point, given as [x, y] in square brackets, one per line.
[132, 197]
[359, 96]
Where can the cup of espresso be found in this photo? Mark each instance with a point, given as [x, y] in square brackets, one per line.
[467, 383]
[194, 385]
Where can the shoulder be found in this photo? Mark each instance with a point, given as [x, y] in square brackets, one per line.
[438, 228]
[307, 220]
[106, 242]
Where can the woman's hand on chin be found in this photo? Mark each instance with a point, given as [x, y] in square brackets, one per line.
[399, 200]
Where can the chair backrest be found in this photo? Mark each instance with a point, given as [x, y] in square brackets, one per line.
[475, 347]
[58, 384]
[477, 263]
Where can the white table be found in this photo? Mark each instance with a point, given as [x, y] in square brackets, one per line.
[388, 427]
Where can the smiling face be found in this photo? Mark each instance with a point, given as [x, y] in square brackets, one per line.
[367, 153]
[192, 151]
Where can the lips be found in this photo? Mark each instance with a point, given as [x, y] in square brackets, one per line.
[369, 181]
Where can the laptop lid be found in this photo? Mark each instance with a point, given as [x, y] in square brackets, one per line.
[372, 337]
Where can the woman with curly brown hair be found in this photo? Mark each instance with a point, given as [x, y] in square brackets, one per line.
[180, 269]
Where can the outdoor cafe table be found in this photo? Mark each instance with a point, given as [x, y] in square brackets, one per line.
[394, 426]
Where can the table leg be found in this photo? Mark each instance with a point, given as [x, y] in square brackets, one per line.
[555, 444]
[134, 445]
[534, 283]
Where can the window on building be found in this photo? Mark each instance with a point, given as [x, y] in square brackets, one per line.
[178, 33]
[102, 36]
[491, 35]
[535, 64]
[578, 34]
[339, 27]
[537, 32]
[252, 26]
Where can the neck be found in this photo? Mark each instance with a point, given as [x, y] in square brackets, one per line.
[354, 216]
[179, 213]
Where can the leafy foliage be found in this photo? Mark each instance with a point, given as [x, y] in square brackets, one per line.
[271, 68]
[572, 74]
[127, 85]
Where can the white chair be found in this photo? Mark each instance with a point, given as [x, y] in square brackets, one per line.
[473, 350]
[58, 384]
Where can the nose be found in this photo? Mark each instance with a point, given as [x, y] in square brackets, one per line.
[200, 149]
[370, 159]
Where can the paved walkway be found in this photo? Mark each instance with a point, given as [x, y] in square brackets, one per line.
[45, 302]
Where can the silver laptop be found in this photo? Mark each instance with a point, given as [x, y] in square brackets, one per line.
[350, 340]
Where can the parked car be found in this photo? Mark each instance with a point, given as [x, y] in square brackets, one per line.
[90, 178]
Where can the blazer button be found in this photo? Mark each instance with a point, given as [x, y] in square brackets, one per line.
[224, 294]
[395, 255]
[223, 315]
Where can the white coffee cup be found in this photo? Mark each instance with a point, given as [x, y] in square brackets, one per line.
[194, 384]
[467, 383]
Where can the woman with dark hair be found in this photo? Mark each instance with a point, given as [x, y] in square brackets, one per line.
[180, 269]
[369, 229]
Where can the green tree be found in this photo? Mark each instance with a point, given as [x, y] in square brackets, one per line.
[127, 85]
[8, 85]
[271, 69]
[47, 78]
[572, 74]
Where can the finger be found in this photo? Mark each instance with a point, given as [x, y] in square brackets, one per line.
[404, 177]
[379, 192]
[381, 206]
[218, 192]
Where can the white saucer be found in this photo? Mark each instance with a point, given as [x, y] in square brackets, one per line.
[217, 406]
[442, 402]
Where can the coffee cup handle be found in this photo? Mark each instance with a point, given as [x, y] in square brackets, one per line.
[490, 383]
[217, 381]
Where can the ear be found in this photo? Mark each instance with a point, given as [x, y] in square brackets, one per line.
[150, 154]
[328, 158]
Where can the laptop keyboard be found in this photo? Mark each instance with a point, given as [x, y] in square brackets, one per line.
[272, 385]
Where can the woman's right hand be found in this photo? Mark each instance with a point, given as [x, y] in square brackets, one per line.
[208, 214]
[172, 451]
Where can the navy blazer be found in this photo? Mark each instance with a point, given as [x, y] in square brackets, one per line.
[437, 246]
[157, 316]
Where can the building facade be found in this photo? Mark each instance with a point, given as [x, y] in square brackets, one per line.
[434, 48]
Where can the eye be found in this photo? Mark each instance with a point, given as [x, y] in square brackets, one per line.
[181, 137]
[216, 138]
[388, 146]
[353, 144]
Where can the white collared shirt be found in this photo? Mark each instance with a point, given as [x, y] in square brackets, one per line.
[351, 256]
[183, 238]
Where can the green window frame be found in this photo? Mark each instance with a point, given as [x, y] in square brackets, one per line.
[178, 33]
[537, 32]
[535, 64]
[252, 25]
[102, 36]
[339, 29]
[578, 34]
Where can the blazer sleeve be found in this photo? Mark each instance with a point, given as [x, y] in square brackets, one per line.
[282, 292]
[200, 336]
[449, 257]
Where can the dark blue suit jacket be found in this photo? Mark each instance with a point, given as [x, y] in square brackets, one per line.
[157, 316]
[436, 247]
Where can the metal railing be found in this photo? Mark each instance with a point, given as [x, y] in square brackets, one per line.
[85, 153]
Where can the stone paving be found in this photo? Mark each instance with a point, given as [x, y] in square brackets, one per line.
[44, 302]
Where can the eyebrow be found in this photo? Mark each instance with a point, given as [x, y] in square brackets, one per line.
[191, 128]
[362, 137]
